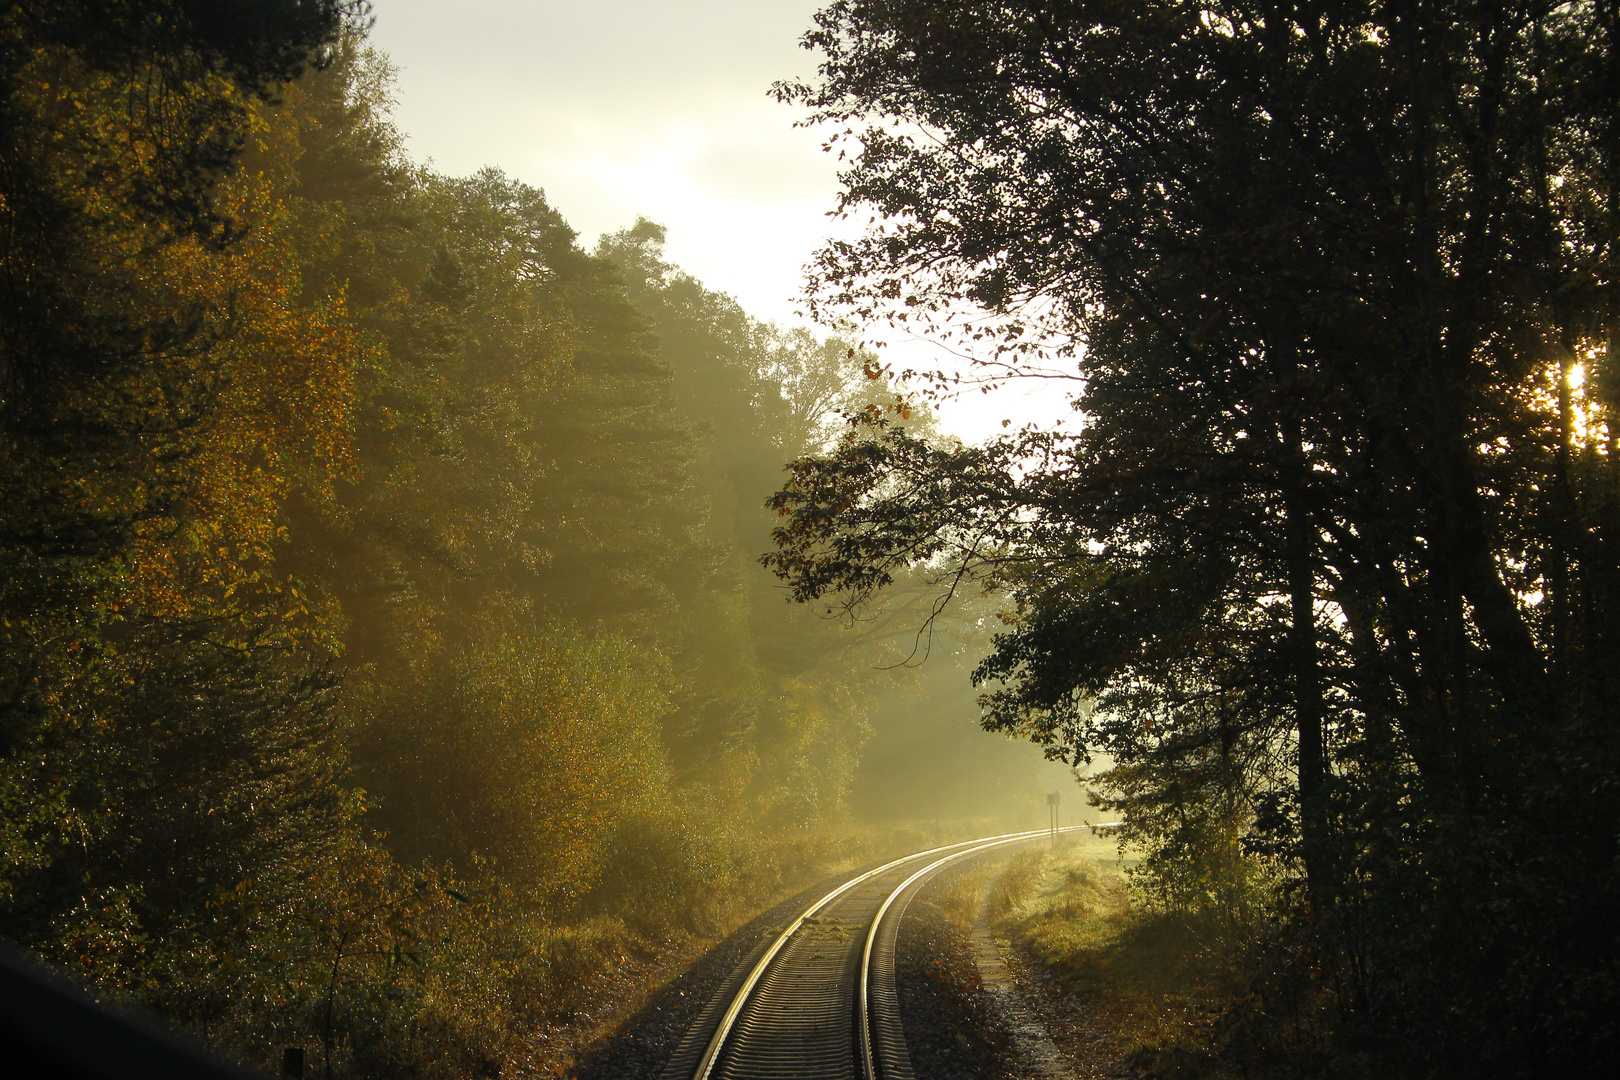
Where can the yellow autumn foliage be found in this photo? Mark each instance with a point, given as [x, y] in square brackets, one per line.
[282, 366]
[530, 749]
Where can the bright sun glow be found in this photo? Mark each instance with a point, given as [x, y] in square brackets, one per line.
[649, 108]
[1589, 421]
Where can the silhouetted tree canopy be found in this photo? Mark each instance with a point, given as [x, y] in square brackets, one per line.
[1337, 285]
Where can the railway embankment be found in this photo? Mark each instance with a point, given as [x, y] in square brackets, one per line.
[879, 975]
[633, 1021]
[1119, 992]
[1012, 961]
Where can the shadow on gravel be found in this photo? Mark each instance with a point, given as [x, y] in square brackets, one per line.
[952, 1030]
[645, 1042]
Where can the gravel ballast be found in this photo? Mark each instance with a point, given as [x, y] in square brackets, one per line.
[953, 1027]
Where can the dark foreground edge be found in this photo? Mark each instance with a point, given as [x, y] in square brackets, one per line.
[50, 1027]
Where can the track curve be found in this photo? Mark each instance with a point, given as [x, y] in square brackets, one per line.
[817, 1000]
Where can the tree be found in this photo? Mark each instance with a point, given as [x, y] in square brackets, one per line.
[788, 689]
[1336, 281]
[168, 383]
[117, 120]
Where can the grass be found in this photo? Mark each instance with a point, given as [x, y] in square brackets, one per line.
[1148, 986]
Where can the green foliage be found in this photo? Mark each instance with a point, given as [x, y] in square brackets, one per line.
[382, 651]
[165, 703]
[1151, 984]
[1017, 883]
[773, 698]
[671, 864]
[530, 747]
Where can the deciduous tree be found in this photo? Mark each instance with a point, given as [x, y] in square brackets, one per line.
[1335, 280]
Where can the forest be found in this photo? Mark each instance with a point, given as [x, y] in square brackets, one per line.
[385, 650]
[383, 645]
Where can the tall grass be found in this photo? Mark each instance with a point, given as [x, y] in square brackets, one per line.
[1150, 982]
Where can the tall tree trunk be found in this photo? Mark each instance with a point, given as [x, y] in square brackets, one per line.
[1304, 665]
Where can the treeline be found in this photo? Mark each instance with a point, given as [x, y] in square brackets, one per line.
[1328, 566]
[382, 641]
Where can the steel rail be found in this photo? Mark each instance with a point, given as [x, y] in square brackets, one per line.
[717, 1042]
[865, 989]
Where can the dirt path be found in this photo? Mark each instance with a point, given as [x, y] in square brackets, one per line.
[1036, 1055]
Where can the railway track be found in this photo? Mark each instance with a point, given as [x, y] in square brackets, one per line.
[817, 999]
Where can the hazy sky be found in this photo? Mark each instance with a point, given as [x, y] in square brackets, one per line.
[626, 107]
[656, 107]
